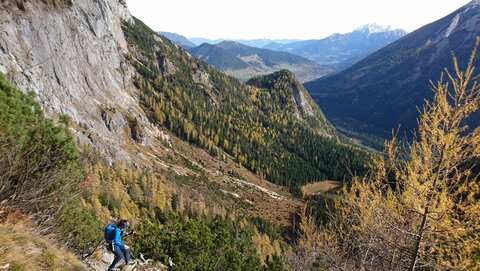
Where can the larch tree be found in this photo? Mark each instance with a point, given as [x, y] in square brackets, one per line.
[418, 208]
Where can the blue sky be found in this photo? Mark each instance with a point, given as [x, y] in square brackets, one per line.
[299, 19]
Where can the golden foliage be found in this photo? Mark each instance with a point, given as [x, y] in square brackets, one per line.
[418, 209]
[265, 247]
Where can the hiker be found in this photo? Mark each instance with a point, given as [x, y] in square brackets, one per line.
[113, 236]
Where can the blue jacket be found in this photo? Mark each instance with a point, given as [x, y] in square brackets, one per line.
[114, 234]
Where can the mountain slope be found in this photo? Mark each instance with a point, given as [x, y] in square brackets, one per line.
[219, 113]
[218, 57]
[342, 50]
[244, 62]
[151, 86]
[25, 249]
[77, 61]
[164, 140]
[292, 97]
[383, 90]
[178, 39]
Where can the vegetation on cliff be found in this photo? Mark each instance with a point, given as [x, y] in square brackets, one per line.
[42, 175]
[221, 114]
[39, 163]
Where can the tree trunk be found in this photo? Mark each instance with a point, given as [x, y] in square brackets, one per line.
[416, 250]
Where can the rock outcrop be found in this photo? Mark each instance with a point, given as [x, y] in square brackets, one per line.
[103, 258]
[72, 57]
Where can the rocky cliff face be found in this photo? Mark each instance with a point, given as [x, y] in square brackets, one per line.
[72, 57]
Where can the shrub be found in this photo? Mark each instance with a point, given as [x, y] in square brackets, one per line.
[39, 162]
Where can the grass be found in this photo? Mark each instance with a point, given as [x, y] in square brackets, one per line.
[49, 258]
[25, 249]
[319, 187]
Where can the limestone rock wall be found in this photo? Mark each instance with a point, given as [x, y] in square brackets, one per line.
[72, 57]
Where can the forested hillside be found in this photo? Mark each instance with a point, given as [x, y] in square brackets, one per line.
[43, 176]
[218, 57]
[153, 135]
[286, 95]
[217, 112]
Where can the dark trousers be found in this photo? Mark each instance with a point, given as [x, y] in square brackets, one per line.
[119, 252]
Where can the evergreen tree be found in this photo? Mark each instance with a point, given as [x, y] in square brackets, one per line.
[39, 162]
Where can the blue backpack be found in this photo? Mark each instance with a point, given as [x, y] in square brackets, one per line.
[110, 232]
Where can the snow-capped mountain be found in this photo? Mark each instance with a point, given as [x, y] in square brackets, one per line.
[384, 89]
[342, 50]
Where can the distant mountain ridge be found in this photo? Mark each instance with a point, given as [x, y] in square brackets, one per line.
[384, 89]
[178, 39]
[338, 51]
[250, 42]
[343, 50]
[244, 61]
[218, 57]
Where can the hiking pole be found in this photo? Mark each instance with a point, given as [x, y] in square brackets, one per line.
[95, 248]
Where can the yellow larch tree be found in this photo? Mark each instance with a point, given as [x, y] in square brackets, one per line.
[418, 209]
